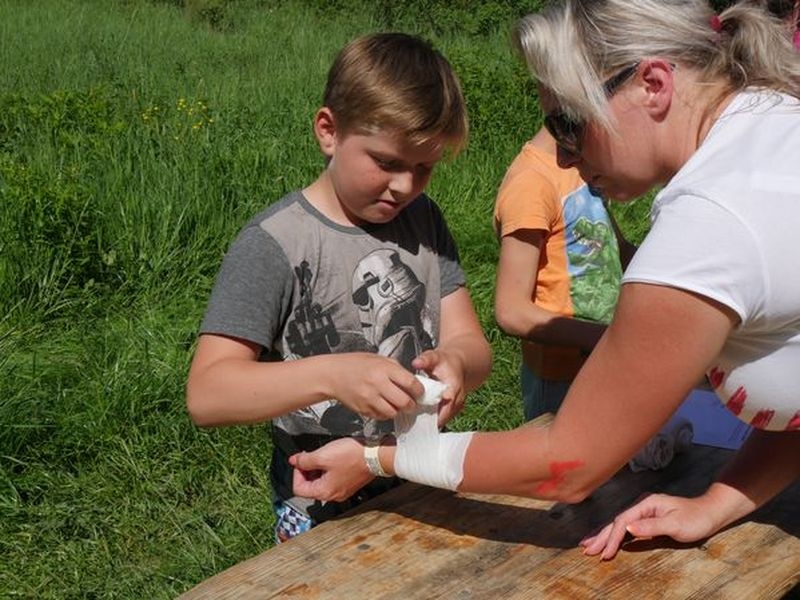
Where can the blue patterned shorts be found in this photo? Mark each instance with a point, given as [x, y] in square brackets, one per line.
[290, 522]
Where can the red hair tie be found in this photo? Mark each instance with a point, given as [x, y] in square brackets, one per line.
[716, 23]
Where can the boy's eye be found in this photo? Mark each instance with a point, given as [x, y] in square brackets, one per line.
[386, 164]
[394, 166]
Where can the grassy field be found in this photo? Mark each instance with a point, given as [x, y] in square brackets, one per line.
[135, 138]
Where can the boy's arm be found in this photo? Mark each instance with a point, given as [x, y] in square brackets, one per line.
[228, 385]
[463, 358]
[515, 310]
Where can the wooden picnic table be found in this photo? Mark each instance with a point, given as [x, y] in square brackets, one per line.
[416, 542]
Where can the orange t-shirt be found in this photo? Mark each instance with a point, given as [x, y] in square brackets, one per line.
[579, 269]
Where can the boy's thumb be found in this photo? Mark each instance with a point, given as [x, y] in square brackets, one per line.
[302, 461]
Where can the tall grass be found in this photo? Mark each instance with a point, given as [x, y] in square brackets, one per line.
[135, 138]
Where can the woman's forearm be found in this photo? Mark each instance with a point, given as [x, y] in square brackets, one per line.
[767, 463]
[491, 463]
[616, 403]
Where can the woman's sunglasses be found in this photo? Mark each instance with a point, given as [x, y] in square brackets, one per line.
[567, 131]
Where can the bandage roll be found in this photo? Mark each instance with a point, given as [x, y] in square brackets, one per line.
[424, 454]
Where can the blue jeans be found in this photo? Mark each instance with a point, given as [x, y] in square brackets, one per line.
[539, 395]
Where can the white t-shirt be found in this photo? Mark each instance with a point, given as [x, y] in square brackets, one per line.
[727, 227]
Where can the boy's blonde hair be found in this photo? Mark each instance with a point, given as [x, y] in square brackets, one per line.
[396, 81]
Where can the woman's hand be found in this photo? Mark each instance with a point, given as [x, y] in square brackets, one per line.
[333, 473]
[682, 519]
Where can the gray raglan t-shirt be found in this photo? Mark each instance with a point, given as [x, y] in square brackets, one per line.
[300, 285]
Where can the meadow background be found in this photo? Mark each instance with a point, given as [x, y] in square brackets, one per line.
[136, 137]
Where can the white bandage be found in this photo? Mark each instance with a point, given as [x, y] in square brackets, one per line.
[424, 455]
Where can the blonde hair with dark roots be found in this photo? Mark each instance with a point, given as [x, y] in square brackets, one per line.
[399, 82]
[572, 46]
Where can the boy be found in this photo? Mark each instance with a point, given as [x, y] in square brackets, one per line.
[329, 300]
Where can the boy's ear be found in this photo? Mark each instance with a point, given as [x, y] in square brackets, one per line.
[325, 130]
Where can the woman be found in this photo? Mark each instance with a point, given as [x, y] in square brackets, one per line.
[641, 93]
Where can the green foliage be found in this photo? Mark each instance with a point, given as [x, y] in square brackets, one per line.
[440, 18]
[501, 97]
[213, 13]
[49, 225]
[67, 167]
[634, 217]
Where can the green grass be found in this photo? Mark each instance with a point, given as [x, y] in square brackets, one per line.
[135, 138]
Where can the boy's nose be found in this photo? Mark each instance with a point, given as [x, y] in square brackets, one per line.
[402, 183]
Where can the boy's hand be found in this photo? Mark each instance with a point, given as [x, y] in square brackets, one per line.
[448, 369]
[373, 385]
[333, 473]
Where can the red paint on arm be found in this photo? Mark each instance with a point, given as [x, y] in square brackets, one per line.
[558, 472]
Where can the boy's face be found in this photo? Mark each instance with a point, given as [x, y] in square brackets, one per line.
[375, 176]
